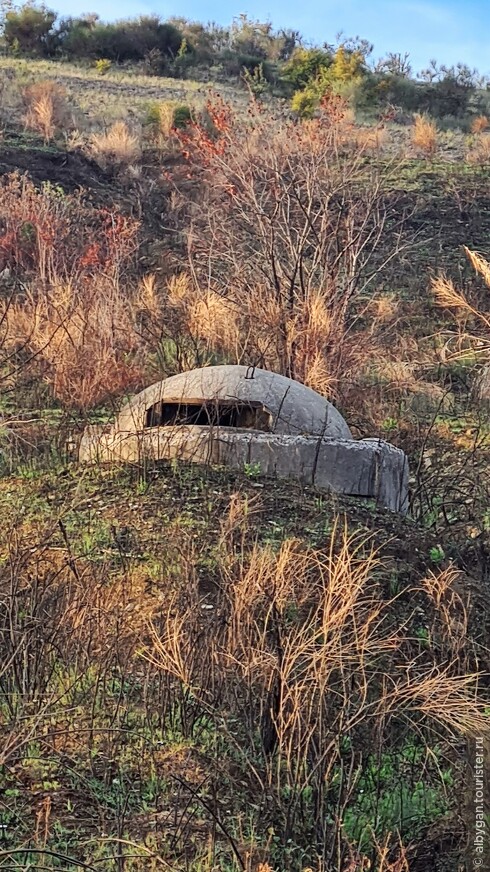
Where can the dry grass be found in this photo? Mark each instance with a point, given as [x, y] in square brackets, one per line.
[325, 661]
[295, 663]
[166, 113]
[256, 327]
[118, 146]
[424, 135]
[82, 340]
[479, 264]
[371, 138]
[479, 152]
[470, 312]
[480, 124]
[449, 297]
[46, 108]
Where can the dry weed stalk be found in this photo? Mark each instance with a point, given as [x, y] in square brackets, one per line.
[448, 297]
[450, 607]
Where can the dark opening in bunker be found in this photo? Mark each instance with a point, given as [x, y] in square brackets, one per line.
[210, 413]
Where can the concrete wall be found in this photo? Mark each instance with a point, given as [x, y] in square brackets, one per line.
[367, 468]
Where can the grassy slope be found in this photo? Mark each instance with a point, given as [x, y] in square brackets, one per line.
[103, 758]
[117, 94]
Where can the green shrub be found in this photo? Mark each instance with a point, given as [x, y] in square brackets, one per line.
[345, 74]
[256, 81]
[132, 40]
[73, 36]
[305, 102]
[162, 118]
[182, 116]
[28, 29]
[305, 66]
[102, 66]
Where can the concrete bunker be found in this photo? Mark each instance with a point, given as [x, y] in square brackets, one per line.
[238, 415]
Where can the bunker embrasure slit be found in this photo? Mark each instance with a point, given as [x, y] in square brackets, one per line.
[210, 413]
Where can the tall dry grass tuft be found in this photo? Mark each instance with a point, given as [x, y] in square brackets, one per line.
[449, 297]
[165, 117]
[480, 124]
[479, 152]
[214, 320]
[451, 607]
[309, 658]
[424, 135]
[118, 146]
[46, 108]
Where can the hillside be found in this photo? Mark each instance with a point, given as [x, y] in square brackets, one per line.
[122, 744]
[202, 670]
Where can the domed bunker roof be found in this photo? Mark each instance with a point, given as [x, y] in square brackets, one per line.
[244, 397]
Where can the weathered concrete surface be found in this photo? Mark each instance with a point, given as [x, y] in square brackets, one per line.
[295, 408]
[308, 439]
[368, 468]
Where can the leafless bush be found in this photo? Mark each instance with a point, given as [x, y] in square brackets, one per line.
[286, 228]
[82, 339]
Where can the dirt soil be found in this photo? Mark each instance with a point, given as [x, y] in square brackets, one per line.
[70, 170]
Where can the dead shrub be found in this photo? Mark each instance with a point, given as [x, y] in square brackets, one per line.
[54, 237]
[82, 340]
[117, 147]
[424, 135]
[46, 108]
[72, 325]
[286, 222]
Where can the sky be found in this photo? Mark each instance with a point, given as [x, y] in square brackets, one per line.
[447, 30]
